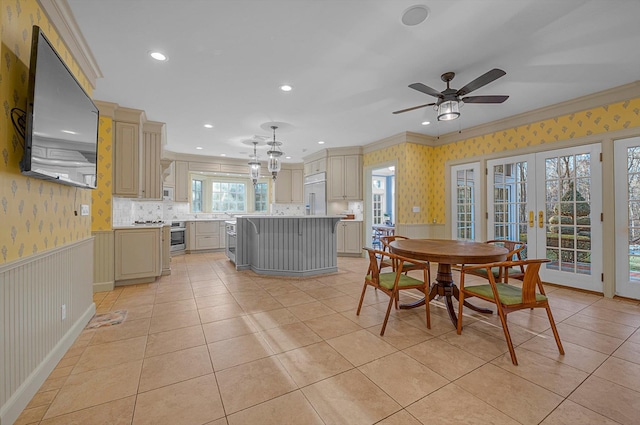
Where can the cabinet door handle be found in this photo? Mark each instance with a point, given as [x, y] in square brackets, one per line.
[531, 223]
[540, 219]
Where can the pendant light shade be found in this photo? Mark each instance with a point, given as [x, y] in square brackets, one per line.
[274, 165]
[254, 166]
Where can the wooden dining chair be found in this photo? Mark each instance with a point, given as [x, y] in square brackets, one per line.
[406, 267]
[392, 283]
[502, 274]
[509, 298]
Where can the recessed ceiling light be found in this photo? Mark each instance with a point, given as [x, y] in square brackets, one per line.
[415, 15]
[199, 148]
[426, 122]
[286, 87]
[287, 157]
[208, 126]
[223, 154]
[321, 142]
[158, 56]
[69, 132]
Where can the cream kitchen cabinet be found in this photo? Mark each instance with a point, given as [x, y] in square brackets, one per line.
[315, 167]
[183, 183]
[289, 186]
[137, 171]
[166, 250]
[349, 238]
[191, 235]
[138, 254]
[207, 235]
[126, 166]
[344, 178]
[151, 172]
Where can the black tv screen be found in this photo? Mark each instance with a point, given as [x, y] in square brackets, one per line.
[61, 137]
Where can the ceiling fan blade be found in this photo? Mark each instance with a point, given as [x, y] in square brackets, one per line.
[415, 107]
[425, 89]
[484, 99]
[481, 81]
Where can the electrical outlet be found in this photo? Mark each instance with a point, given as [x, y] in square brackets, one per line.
[63, 311]
[84, 209]
[416, 209]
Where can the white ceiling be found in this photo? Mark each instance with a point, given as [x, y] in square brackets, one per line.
[349, 62]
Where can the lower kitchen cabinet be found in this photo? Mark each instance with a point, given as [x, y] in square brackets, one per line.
[166, 250]
[138, 253]
[205, 235]
[349, 238]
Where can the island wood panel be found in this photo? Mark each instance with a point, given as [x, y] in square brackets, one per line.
[287, 246]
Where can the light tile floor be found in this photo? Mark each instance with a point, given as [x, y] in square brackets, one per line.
[209, 345]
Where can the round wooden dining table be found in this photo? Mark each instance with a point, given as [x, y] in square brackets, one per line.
[447, 252]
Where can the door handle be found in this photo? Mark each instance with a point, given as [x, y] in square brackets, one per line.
[531, 224]
[540, 219]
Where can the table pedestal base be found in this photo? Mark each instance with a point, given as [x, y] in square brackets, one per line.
[444, 286]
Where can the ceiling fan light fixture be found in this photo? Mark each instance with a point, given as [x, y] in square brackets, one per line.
[449, 110]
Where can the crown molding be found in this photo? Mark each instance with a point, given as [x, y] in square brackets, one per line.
[107, 109]
[396, 139]
[594, 100]
[60, 15]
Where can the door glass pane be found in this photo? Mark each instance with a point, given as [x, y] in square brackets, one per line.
[568, 213]
[510, 197]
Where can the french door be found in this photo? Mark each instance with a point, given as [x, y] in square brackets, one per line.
[465, 199]
[627, 233]
[552, 201]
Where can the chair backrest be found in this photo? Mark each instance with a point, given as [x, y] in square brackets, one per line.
[531, 279]
[374, 269]
[515, 249]
[386, 240]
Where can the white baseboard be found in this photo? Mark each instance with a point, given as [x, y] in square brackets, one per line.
[10, 412]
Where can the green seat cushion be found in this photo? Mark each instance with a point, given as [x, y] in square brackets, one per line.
[387, 280]
[513, 271]
[509, 295]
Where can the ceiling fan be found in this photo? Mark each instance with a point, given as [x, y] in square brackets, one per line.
[449, 100]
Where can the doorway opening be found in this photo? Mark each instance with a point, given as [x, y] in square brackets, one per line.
[381, 203]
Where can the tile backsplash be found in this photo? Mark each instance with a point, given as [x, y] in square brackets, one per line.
[126, 211]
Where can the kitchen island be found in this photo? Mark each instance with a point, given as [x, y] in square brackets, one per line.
[287, 245]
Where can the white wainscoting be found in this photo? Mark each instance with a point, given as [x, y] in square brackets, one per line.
[33, 336]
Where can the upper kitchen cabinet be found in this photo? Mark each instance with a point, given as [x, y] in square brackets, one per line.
[182, 188]
[289, 186]
[151, 173]
[126, 158]
[315, 166]
[344, 177]
[137, 171]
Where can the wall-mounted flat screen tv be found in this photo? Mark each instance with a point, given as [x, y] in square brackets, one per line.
[61, 135]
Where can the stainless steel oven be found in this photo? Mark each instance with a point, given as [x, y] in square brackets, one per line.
[231, 240]
[178, 236]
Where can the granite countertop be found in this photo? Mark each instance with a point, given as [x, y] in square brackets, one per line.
[290, 216]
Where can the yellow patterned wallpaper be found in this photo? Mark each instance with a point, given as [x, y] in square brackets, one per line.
[616, 116]
[101, 197]
[420, 173]
[412, 181]
[35, 215]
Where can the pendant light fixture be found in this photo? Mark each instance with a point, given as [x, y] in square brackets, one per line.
[274, 165]
[254, 166]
